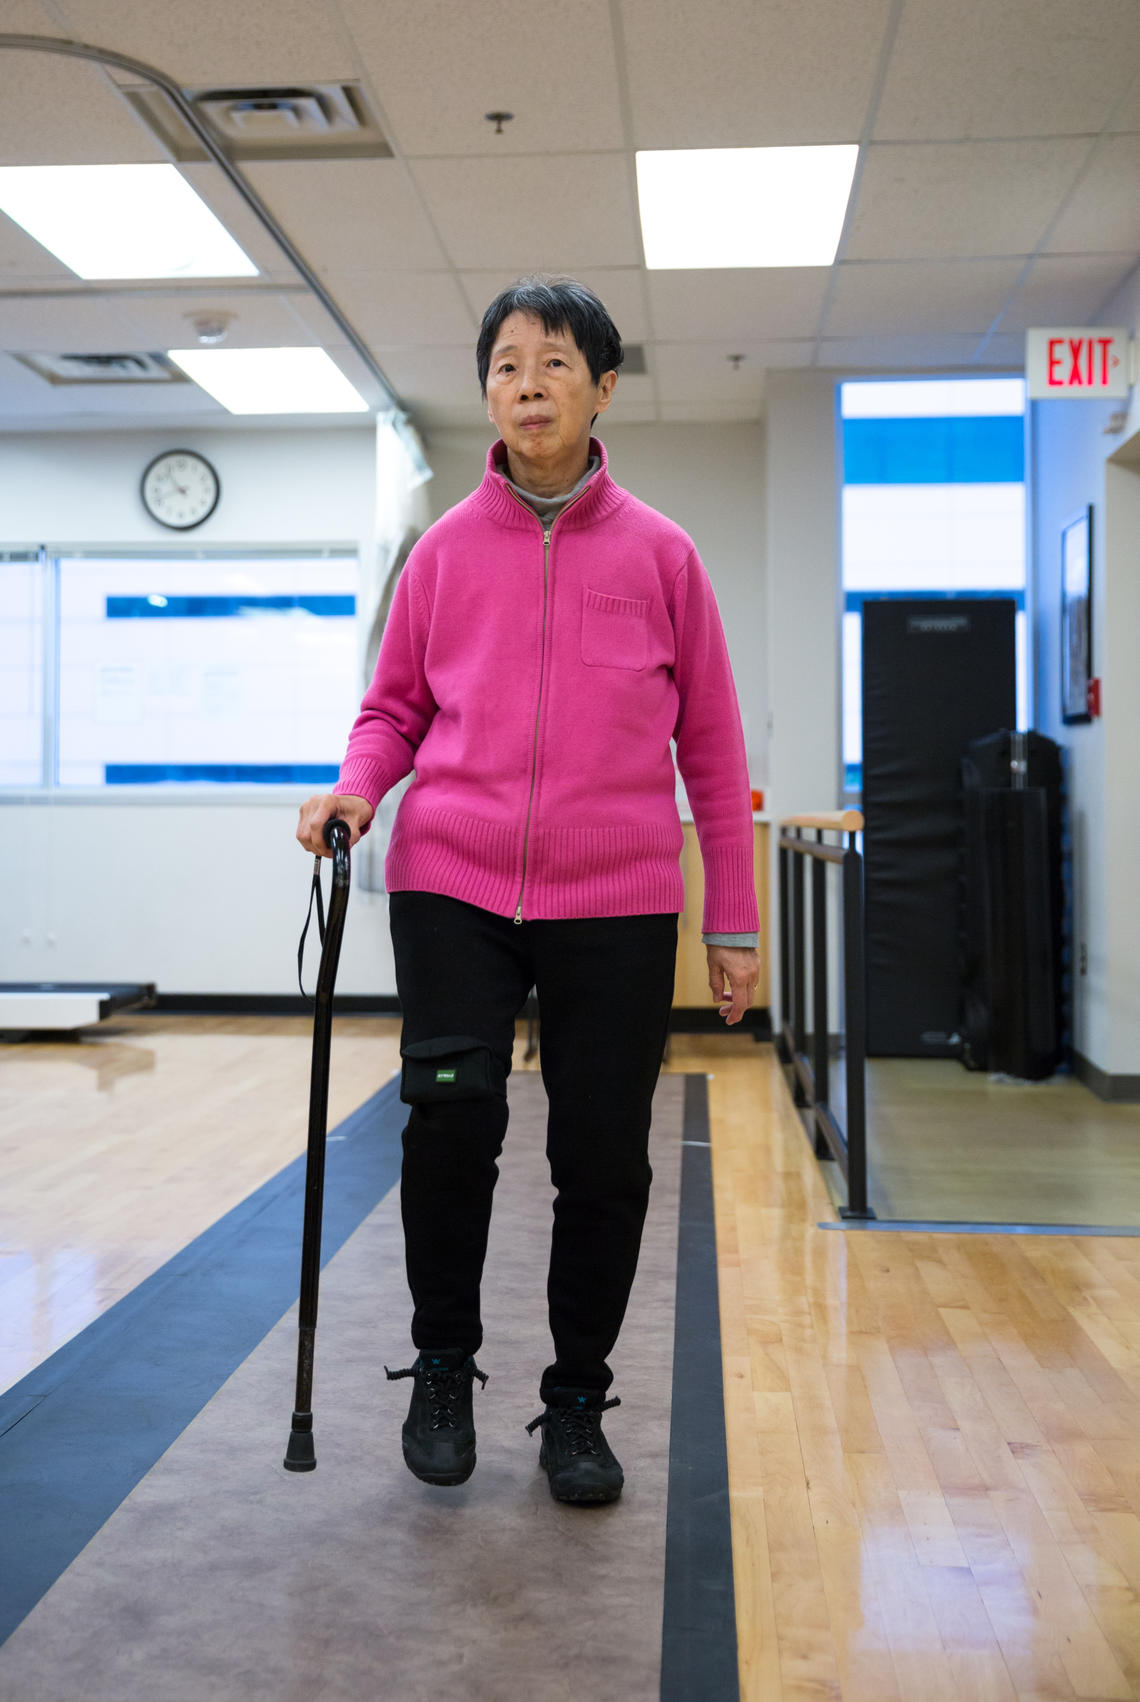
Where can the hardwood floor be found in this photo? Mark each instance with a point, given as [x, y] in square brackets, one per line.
[934, 1440]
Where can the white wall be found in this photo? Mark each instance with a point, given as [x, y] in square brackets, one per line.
[278, 487]
[1074, 462]
[202, 897]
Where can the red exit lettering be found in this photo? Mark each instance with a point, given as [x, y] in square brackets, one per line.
[1085, 355]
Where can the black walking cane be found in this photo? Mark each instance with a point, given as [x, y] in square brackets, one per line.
[300, 1455]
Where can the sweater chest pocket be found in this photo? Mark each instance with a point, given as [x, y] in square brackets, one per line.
[615, 630]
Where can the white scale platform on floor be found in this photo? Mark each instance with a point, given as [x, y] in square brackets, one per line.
[68, 1004]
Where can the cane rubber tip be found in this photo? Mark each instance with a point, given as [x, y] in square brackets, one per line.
[300, 1455]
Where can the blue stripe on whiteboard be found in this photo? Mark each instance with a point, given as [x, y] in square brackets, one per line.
[953, 451]
[221, 773]
[156, 607]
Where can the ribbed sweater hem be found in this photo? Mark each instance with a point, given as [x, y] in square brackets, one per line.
[587, 871]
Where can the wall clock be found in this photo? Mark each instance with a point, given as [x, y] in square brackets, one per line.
[180, 489]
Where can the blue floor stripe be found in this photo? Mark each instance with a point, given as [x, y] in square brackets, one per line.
[80, 1431]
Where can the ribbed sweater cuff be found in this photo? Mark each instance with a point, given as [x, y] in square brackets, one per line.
[364, 777]
[730, 890]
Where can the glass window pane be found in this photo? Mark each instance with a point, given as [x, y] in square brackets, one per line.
[182, 671]
[21, 670]
[930, 398]
[934, 537]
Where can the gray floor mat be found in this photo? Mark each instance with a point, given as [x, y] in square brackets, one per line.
[223, 1577]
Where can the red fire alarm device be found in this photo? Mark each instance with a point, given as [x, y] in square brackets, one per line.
[1094, 697]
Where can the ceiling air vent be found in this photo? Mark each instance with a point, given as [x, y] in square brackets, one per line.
[301, 121]
[104, 369]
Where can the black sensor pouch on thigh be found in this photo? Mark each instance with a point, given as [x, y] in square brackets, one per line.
[456, 1066]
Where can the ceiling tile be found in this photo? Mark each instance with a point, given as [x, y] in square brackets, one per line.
[631, 413]
[620, 289]
[549, 213]
[749, 303]
[1104, 213]
[1066, 290]
[438, 68]
[71, 324]
[1007, 68]
[442, 416]
[959, 198]
[634, 390]
[261, 319]
[702, 372]
[1003, 352]
[59, 111]
[883, 297]
[387, 308]
[706, 413]
[1127, 114]
[737, 74]
[444, 376]
[214, 43]
[944, 349]
[30, 17]
[349, 215]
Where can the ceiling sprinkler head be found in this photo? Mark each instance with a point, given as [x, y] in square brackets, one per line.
[211, 328]
[736, 360]
[498, 119]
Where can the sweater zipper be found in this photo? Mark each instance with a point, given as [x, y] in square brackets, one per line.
[546, 531]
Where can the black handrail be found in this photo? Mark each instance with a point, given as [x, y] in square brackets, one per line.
[810, 1078]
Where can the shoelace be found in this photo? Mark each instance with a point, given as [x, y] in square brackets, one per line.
[443, 1387]
[579, 1424]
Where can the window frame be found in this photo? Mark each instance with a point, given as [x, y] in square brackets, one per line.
[50, 789]
[852, 601]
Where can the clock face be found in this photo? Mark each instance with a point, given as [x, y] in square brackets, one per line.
[180, 489]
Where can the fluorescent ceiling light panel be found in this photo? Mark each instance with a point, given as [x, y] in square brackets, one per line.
[271, 381]
[708, 207]
[121, 221]
[931, 398]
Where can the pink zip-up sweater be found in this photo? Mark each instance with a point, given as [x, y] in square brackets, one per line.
[534, 680]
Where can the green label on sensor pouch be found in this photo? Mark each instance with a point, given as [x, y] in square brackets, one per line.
[445, 1075]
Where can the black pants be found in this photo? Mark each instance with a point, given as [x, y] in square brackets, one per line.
[605, 987]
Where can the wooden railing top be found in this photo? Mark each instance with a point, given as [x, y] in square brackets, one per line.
[839, 821]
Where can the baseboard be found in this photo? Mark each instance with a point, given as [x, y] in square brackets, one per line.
[685, 1019]
[1118, 1090]
[273, 1004]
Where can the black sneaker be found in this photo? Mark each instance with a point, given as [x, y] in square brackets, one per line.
[439, 1431]
[575, 1455]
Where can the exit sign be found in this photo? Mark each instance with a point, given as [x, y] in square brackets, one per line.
[1078, 361]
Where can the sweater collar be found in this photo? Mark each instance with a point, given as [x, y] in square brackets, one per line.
[600, 497]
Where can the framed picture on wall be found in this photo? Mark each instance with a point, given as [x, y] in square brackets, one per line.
[1076, 616]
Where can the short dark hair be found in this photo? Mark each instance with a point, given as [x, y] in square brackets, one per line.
[562, 304]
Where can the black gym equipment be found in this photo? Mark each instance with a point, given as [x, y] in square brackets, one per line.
[300, 1455]
[937, 674]
[1014, 945]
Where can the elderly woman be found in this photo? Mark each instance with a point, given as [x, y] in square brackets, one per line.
[548, 637]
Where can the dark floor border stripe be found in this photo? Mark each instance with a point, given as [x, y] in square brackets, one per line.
[79, 1432]
[698, 1644]
[943, 1226]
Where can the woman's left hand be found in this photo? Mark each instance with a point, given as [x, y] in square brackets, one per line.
[733, 974]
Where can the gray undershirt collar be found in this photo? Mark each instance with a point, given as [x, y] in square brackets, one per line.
[549, 507]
